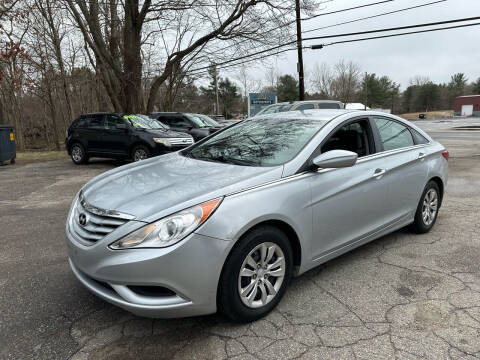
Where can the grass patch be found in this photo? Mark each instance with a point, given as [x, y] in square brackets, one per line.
[443, 114]
[26, 157]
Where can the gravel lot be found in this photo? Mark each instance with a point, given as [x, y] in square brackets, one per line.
[402, 296]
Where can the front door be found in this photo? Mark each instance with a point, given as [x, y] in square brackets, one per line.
[348, 204]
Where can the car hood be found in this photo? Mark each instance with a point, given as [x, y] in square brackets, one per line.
[167, 133]
[163, 185]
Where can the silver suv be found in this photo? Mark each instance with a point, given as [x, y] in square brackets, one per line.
[302, 105]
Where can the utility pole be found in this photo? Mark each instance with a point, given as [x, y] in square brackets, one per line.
[301, 76]
[366, 90]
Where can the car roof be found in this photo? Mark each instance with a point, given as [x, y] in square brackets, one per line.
[313, 114]
[99, 113]
[323, 114]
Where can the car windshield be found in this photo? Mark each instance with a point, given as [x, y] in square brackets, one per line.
[203, 120]
[268, 142]
[200, 121]
[144, 122]
[272, 109]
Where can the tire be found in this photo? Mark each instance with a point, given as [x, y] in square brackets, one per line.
[427, 209]
[78, 154]
[140, 152]
[249, 247]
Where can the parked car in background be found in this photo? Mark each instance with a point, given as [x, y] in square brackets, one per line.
[193, 124]
[301, 105]
[111, 135]
[226, 223]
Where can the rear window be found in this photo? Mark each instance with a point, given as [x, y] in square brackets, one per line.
[80, 123]
[95, 122]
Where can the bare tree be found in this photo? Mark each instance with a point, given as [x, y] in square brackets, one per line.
[322, 80]
[347, 80]
[193, 27]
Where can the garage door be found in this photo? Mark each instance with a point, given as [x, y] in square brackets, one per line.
[467, 110]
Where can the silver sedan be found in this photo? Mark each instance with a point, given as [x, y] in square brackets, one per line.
[225, 224]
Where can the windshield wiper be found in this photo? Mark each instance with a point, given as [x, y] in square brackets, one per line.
[234, 161]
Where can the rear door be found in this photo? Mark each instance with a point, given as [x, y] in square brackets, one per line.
[403, 157]
[114, 141]
[92, 132]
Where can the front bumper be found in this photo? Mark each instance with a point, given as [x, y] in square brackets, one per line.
[189, 270]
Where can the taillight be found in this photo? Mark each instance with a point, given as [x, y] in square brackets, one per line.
[446, 155]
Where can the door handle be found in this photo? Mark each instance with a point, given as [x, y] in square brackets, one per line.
[421, 155]
[379, 172]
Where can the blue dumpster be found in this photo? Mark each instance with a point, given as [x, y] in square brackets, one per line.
[7, 144]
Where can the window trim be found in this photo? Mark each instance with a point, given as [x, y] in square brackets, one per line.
[373, 117]
[308, 163]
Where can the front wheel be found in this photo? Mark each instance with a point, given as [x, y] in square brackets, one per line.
[427, 209]
[255, 275]
[140, 153]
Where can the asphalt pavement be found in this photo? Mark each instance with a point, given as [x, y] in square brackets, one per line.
[402, 296]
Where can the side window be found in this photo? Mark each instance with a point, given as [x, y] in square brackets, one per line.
[393, 134]
[328, 106]
[95, 122]
[177, 121]
[305, 107]
[80, 123]
[111, 122]
[419, 138]
[164, 120]
[354, 137]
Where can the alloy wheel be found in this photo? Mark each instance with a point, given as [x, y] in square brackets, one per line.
[261, 275]
[430, 207]
[140, 154]
[77, 153]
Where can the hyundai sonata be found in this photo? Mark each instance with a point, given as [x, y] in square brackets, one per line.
[225, 224]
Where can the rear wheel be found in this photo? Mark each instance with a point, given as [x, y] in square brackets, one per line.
[140, 152]
[78, 154]
[427, 209]
[255, 275]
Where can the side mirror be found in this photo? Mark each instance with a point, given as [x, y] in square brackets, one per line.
[335, 159]
[121, 126]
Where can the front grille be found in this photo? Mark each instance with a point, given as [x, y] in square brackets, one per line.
[91, 224]
[181, 141]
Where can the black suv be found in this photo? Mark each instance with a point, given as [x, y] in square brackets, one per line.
[197, 125]
[110, 135]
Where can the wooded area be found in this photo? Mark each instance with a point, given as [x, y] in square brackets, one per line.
[61, 58]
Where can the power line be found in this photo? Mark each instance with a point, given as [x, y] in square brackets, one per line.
[375, 16]
[249, 59]
[394, 28]
[347, 9]
[232, 64]
[313, 16]
[314, 47]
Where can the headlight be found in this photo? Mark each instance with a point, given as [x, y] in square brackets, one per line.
[169, 230]
[163, 141]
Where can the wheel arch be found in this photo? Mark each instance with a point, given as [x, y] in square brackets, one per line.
[72, 142]
[137, 143]
[279, 224]
[441, 186]
[285, 228]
